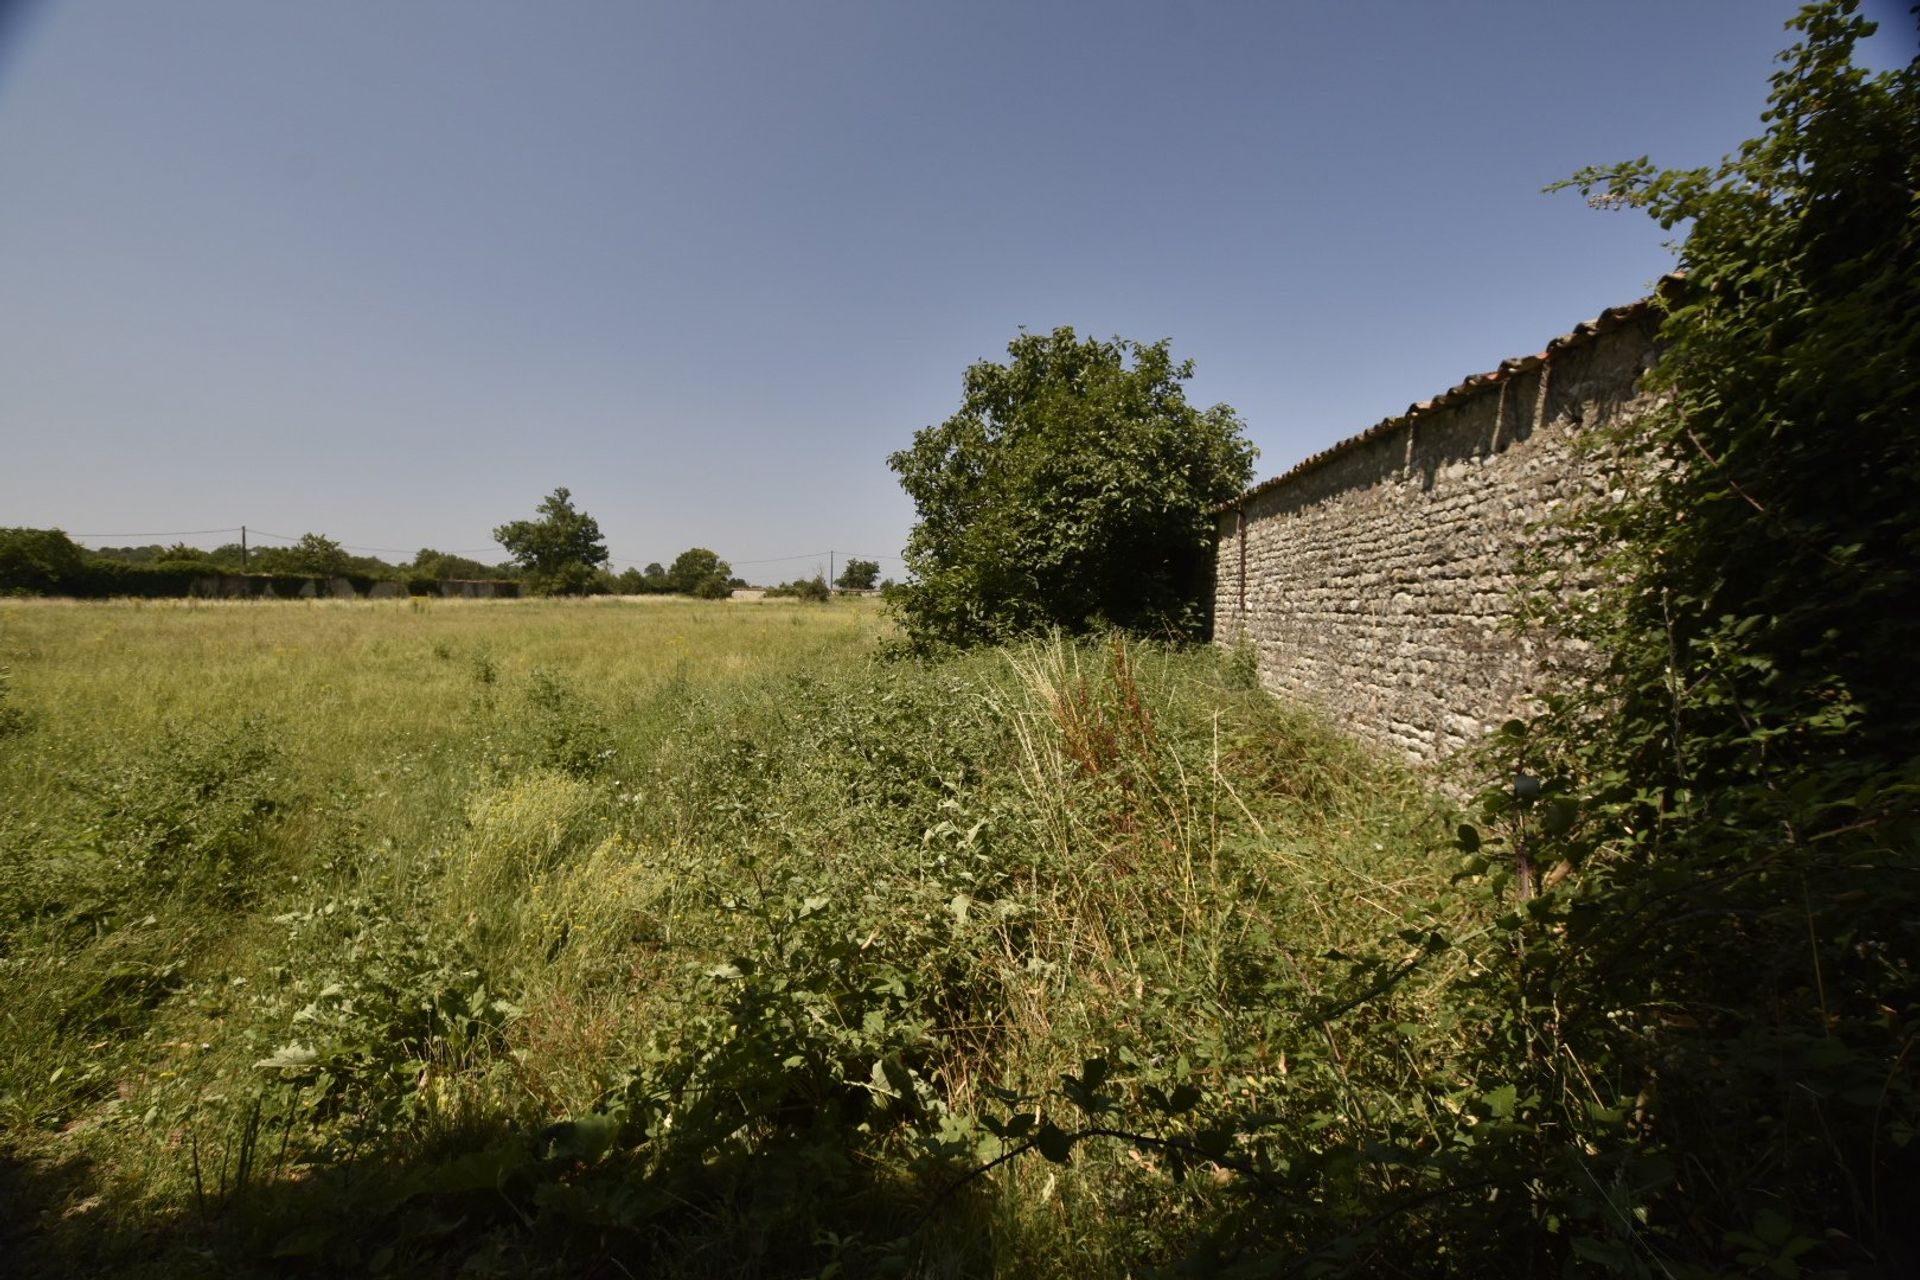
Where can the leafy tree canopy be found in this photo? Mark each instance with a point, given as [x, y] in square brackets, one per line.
[152, 553]
[859, 575]
[317, 554]
[699, 572]
[560, 550]
[443, 566]
[814, 589]
[39, 560]
[1073, 489]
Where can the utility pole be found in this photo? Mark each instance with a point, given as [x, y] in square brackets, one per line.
[829, 571]
[243, 548]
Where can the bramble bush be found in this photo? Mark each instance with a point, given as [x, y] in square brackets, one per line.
[1713, 981]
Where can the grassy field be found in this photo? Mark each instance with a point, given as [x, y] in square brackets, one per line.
[701, 939]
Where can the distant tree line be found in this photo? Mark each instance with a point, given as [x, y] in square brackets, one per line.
[559, 552]
[314, 555]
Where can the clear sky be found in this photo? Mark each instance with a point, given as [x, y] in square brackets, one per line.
[393, 271]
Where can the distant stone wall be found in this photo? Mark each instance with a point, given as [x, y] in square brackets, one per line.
[1376, 580]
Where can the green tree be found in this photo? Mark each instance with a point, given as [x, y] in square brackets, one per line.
[40, 560]
[1073, 489]
[443, 566]
[699, 572]
[814, 589]
[859, 575]
[318, 555]
[229, 556]
[559, 551]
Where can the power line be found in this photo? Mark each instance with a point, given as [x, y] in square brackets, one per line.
[811, 555]
[402, 551]
[157, 533]
[819, 555]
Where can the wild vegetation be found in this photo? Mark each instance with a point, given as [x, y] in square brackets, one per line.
[579, 938]
[558, 554]
[814, 589]
[1728, 966]
[548, 937]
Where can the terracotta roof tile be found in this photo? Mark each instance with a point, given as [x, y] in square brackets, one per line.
[1607, 321]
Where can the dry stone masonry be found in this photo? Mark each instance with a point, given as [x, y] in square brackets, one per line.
[1375, 580]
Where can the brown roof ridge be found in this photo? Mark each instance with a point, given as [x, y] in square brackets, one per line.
[1474, 384]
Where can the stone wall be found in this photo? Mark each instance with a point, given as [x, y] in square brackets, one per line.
[1375, 580]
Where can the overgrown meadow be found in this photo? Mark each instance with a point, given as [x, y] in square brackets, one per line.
[706, 939]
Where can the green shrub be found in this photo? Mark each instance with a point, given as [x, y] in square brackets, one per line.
[1073, 489]
[563, 731]
[191, 814]
[385, 1006]
[1709, 857]
[812, 589]
[39, 561]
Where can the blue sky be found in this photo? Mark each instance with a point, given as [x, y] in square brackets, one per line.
[392, 272]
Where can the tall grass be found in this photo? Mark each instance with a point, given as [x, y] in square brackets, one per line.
[544, 937]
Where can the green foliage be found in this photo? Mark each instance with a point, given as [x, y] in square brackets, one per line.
[559, 551]
[1073, 489]
[178, 553]
[385, 1005]
[439, 566]
[755, 974]
[1062, 958]
[92, 919]
[652, 580]
[859, 575]
[47, 562]
[192, 812]
[231, 557]
[563, 728]
[36, 561]
[700, 573]
[814, 589]
[1710, 851]
[317, 555]
[313, 556]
